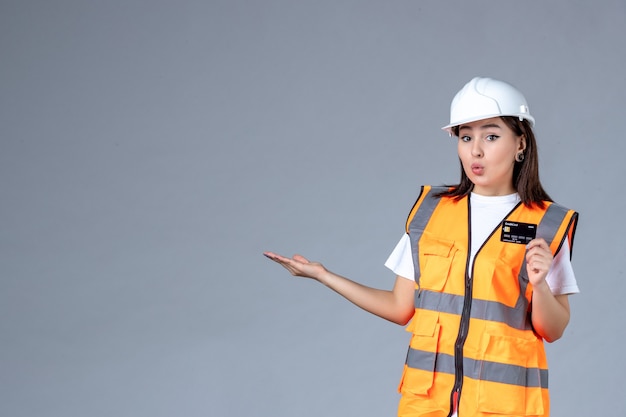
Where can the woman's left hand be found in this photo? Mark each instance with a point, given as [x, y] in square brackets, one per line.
[538, 260]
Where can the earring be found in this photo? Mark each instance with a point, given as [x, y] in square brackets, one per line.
[519, 157]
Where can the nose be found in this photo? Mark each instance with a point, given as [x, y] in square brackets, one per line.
[477, 149]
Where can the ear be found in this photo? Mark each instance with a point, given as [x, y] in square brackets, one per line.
[522, 143]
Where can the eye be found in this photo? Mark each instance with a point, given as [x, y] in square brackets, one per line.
[465, 138]
[490, 138]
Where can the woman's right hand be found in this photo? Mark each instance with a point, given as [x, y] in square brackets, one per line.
[298, 265]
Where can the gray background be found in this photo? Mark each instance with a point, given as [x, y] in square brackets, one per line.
[152, 150]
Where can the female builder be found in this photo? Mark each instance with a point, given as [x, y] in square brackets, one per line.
[483, 271]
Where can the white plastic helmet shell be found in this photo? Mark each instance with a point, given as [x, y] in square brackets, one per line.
[483, 98]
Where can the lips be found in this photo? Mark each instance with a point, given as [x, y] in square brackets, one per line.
[477, 169]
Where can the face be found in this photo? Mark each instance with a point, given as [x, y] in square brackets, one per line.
[487, 150]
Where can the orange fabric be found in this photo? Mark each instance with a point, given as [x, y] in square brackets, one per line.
[443, 256]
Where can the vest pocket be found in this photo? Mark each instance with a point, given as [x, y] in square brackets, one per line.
[419, 372]
[509, 378]
[436, 256]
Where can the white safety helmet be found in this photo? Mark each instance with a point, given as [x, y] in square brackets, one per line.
[483, 98]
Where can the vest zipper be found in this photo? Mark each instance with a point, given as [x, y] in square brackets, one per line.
[462, 336]
[455, 396]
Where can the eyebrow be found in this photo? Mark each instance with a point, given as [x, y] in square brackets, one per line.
[482, 127]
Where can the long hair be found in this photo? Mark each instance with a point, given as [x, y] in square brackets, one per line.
[525, 173]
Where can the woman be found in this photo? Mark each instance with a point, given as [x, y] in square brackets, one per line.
[483, 271]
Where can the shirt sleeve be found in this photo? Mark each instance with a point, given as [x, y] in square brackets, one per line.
[401, 260]
[561, 278]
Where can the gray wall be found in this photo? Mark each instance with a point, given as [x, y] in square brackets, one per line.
[152, 150]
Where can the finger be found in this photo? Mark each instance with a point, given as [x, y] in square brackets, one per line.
[535, 243]
[537, 253]
[539, 256]
[536, 265]
[275, 257]
[286, 263]
[541, 250]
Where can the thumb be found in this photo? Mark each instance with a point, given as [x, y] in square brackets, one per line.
[300, 258]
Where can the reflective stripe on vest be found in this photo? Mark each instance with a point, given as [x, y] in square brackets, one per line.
[503, 373]
[420, 218]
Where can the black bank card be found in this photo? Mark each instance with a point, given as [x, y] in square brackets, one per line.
[516, 232]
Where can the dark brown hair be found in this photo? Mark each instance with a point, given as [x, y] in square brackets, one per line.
[525, 173]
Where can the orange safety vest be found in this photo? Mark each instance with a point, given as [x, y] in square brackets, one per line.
[472, 338]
